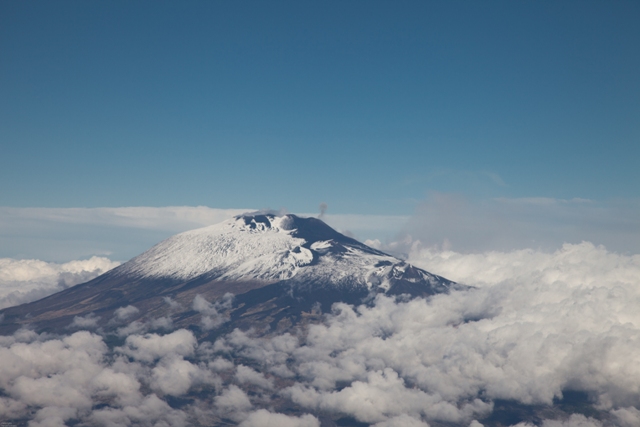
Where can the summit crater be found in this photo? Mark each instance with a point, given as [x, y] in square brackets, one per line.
[257, 270]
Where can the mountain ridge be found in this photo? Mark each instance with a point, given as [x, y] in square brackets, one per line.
[277, 267]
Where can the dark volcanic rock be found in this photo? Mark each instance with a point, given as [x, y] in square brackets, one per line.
[280, 269]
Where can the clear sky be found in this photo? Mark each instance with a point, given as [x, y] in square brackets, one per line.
[368, 106]
[491, 125]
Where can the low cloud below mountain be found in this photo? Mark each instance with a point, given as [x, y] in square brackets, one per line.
[546, 339]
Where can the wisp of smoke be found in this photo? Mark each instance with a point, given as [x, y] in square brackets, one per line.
[323, 209]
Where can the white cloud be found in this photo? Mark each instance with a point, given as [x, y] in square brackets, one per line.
[575, 420]
[233, 400]
[538, 323]
[264, 418]
[174, 376]
[133, 328]
[582, 264]
[245, 374]
[403, 421]
[221, 364]
[150, 347]
[27, 280]
[111, 383]
[124, 313]
[627, 417]
[53, 373]
[213, 315]
[164, 322]
[85, 322]
[65, 378]
[382, 396]
[53, 416]
[150, 411]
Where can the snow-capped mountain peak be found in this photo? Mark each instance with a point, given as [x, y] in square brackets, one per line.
[280, 269]
[271, 248]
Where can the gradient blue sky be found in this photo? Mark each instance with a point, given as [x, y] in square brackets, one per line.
[368, 106]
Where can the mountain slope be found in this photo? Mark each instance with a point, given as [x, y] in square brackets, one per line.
[280, 269]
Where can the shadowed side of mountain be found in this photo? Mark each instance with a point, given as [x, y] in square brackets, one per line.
[280, 270]
[99, 299]
[256, 304]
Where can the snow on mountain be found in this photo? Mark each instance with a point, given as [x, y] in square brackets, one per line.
[272, 248]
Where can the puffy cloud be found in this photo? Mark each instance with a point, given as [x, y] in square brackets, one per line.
[537, 324]
[578, 265]
[382, 397]
[56, 375]
[135, 327]
[23, 281]
[140, 326]
[174, 376]
[164, 322]
[627, 417]
[220, 364]
[213, 315]
[78, 377]
[245, 374]
[404, 421]
[53, 416]
[11, 408]
[150, 411]
[173, 305]
[233, 402]
[112, 382]
[575, 420]
[123, 313]
[85, 322]
[150, 347]
[264, 418]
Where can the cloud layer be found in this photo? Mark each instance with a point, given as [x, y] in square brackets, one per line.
[537, 325]
[27, 280]
[442, 220]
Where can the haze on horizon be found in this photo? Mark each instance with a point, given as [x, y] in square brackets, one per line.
[437, 120]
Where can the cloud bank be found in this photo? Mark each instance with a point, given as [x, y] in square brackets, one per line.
[27, 280]
[537, 326]
[442, 220]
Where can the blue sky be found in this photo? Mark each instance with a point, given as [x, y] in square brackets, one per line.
[371, 107]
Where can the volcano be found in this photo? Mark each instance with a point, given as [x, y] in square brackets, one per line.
[261, 270]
